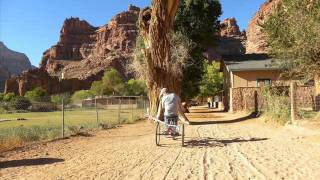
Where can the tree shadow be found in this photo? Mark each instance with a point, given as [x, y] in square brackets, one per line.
[207, 111]
[211, 142]
[250, 116]
[29, 162]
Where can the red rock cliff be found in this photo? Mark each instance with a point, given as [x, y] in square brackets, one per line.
[83, 53]
[256, 42]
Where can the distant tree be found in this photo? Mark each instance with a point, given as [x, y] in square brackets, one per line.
[212, 81]
[21, 103]
[37, 95]
[80, 95]
[57, 99]
[97, 88]
[112, 83]
[136, 87]
[9, 97]
[2, 96]
[199, 21]
[293, 32]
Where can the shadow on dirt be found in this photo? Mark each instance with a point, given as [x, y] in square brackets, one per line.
[196, 111]
[250, 116]
[29, 162]
[211, 142]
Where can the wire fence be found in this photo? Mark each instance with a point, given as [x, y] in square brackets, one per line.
[21, 122]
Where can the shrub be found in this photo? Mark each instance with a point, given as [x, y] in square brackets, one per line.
[21, 103]
[37, 95]
[9, 97]
[276, 105]
[2, 96]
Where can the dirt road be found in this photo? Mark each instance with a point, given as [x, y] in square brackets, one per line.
[219, 146]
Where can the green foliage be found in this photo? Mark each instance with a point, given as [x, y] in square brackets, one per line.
[294, 36]
[212, 81]
[2, 96]
[37, 95]
[197, 20]
[80, 95]
[57, 99]
[276, 105]
[97, 88]
[136, 87]
[21, 103]
[111, 84]
[9, 97]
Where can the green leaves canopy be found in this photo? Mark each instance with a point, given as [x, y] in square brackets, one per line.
[199, 21]
[293, 33]
[212, 81]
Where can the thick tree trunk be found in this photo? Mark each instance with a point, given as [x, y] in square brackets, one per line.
[155, 26]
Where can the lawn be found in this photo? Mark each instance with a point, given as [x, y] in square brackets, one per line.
[47, 125]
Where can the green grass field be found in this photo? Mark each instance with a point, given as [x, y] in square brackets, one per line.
[47, 125]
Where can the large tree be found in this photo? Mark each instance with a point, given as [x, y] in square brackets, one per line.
[293, 32]
[155, 26]
[199, 21]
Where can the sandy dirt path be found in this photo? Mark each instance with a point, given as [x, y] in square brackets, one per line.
[219, 146]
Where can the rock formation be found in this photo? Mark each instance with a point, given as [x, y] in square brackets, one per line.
[231, 40]
[11, 63]
[83, 53]
[256, 40]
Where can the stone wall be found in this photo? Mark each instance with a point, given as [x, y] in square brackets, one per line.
[250, 98]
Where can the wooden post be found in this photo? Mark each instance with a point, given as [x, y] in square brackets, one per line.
[119, 111]
[96, 107]
[293, 101]
[62, 133]
[230, 101]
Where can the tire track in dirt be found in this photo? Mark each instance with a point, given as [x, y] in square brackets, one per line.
[241, 157]
[213, 151]
[170, 167]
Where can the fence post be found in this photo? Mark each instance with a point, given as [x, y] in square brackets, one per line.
[293, 101]
[96, 107]
[132, 109]
[140, 104]
[231, 100]
[62, 117]
[119, 110]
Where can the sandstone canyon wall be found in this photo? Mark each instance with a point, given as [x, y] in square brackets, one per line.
[11, 63]
[82, 53]
[232, 40]
[256, 40]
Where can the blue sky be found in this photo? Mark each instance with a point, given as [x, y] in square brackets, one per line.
[32, 26]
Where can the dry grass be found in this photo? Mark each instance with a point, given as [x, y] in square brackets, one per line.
[47, 126]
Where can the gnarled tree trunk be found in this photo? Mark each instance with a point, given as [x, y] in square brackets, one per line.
[155, 25]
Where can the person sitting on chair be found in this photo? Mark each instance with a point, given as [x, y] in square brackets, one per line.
[170, 104]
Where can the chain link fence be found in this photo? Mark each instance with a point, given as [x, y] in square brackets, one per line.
[21, 122]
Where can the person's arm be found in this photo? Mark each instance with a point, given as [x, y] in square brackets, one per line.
[181, 113]
[159, 110]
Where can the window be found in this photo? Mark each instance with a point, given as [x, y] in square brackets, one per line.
[264, 82]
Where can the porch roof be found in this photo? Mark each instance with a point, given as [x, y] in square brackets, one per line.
[248, 62]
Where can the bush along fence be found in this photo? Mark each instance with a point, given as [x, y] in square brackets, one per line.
[23, 121]
[281, 102]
